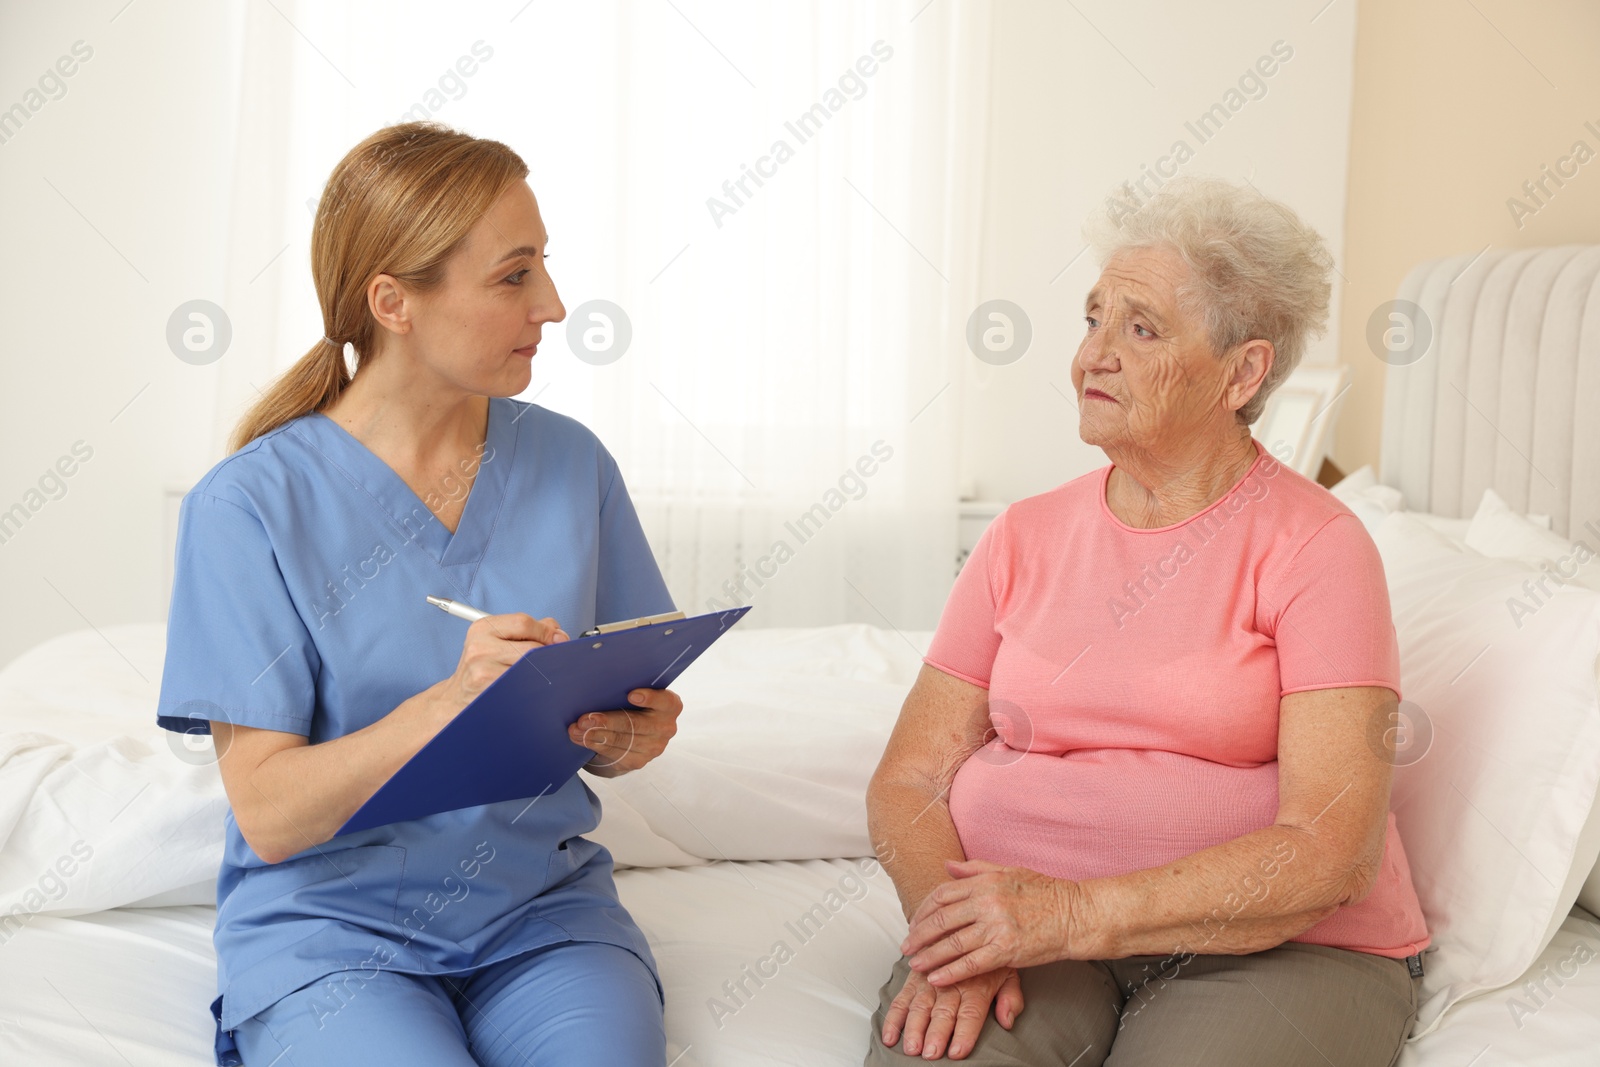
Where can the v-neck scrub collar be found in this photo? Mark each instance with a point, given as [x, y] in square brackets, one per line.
[402, 504]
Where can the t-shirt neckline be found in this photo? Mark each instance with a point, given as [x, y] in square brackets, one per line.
[1105, 508]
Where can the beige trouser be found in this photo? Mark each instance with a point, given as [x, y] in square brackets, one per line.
[1287, 1006]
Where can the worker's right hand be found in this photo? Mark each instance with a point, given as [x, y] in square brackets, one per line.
[494, 643]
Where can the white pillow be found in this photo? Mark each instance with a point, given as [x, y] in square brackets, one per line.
[1357, 481]
[1455, 530]
[1497, 530]
[1500, 532]
[1372, 502]
[1493, 814]
[780, 734]
[1588, 895]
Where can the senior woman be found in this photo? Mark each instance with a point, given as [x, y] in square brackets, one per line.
[1132, 802]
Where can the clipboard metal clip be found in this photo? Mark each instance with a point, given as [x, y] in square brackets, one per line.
[629, 624]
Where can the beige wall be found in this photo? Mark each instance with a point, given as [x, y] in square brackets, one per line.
[1456, 106]
[1071, 119]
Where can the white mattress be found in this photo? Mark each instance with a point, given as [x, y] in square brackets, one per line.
[118, 967]
[132, 985]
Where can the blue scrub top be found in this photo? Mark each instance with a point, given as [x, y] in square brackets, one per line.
[298, 605]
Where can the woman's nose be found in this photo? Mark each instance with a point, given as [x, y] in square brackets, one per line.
[548, 306]
[1097, 351]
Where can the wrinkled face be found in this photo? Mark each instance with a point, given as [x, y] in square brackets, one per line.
[1145, 373]
[480, 328]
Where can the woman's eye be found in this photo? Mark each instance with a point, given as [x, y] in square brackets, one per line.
[516, 279]
[1137, 328]
[1091, 321]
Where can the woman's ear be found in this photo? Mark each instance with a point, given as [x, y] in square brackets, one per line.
[1252, 361]
[389, 305]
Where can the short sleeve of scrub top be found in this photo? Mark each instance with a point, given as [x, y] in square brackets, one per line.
[298, 605]
[231, 606]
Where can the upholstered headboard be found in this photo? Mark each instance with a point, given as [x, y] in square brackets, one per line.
[1507, 393]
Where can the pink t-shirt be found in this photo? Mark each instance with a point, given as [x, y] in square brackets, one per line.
[1134, 679]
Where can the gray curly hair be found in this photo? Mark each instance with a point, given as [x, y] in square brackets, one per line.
[1257, 271]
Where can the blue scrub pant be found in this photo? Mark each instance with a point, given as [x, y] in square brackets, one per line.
[572, 1004]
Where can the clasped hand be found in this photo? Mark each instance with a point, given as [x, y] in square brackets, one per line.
[965, 944]
[989, 917]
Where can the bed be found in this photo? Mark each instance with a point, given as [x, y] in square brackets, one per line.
[83, 1010]
[751, 829]
[90, 983]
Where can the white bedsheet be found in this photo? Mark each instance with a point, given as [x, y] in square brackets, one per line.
[80, 757]
[131, 985]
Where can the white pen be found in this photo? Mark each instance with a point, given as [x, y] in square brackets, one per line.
[458, 609]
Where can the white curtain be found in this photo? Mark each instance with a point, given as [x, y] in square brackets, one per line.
[783, 199]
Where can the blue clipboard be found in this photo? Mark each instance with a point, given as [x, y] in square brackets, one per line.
[511, 742]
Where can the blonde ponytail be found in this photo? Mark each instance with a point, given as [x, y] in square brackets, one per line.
[314, 382]
[399, 203]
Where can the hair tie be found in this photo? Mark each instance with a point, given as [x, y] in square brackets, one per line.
[328, 340]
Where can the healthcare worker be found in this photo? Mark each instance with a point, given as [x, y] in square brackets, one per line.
[300, 636]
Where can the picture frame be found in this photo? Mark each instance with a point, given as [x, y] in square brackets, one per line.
[1297, 424]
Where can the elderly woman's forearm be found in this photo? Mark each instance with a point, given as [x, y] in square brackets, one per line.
[913, 836]
[1245, 895]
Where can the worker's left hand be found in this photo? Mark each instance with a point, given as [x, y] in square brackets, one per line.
[624, 741]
